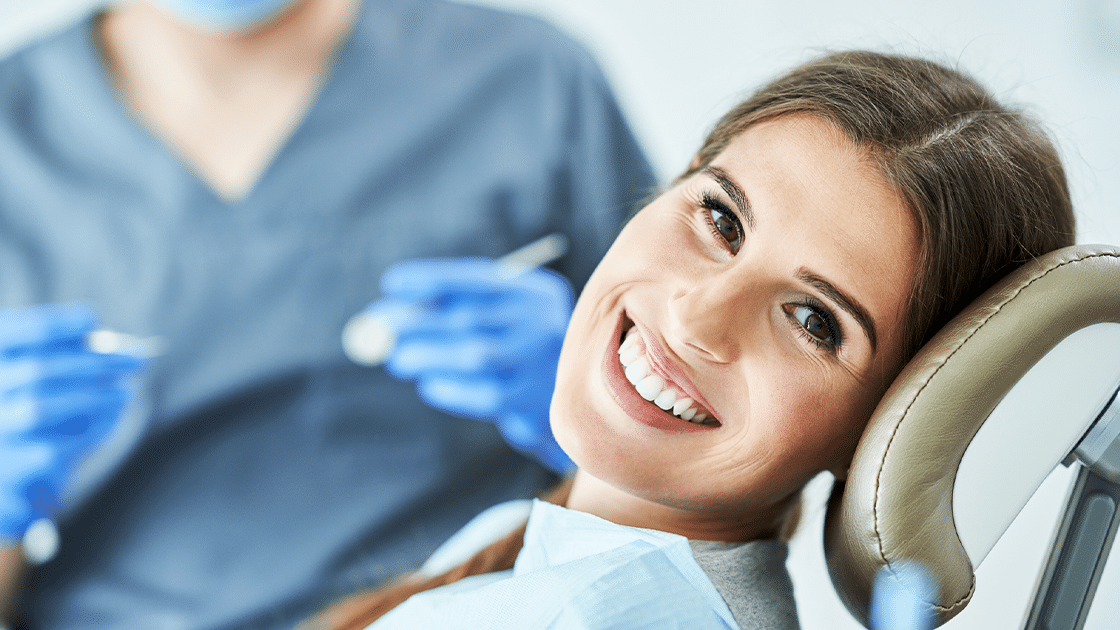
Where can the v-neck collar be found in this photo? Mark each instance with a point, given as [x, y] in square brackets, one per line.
[116, 122]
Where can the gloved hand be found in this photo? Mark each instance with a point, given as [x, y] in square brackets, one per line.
[486, 346]
[57, 399]
[900, 596]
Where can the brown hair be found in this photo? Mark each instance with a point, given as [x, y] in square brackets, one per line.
[986, 187]
[358, 611]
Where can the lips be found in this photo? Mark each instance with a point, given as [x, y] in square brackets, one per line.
[653, 387]
[649, 391]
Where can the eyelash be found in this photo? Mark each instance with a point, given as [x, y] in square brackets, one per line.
[830, 322]
[710, 203]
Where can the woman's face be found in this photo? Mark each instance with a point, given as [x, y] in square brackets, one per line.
[769, 289]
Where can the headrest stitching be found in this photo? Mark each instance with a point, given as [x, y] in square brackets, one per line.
[906, 412]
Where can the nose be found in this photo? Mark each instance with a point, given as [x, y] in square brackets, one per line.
[711, 316]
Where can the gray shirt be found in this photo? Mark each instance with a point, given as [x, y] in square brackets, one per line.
[753, 580]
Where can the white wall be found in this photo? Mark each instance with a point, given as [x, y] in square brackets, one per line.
[678, 64]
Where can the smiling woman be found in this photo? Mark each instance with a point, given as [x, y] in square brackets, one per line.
[737, 319]
[737, 336]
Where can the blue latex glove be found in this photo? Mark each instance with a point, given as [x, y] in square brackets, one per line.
[486, 344]
[57, 399]
[898, 599]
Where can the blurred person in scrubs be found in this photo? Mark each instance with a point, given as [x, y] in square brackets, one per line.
[233, 179]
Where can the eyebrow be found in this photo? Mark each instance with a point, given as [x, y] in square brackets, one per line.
[843, 300]
[734, 191]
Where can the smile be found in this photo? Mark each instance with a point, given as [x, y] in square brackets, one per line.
[654, 387]
[641, 380]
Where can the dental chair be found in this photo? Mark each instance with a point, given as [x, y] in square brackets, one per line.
[1027, 374]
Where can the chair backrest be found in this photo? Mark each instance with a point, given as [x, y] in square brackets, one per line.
[930, 480]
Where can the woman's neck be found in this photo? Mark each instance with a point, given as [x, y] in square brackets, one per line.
[225, 102]
[594, 496]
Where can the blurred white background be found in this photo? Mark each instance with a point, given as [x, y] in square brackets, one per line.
[679, 64]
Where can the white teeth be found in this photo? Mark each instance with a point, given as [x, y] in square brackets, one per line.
[630, 340]
[666, 399]
[650, 386]
[681, 405]
[637, 370]
[631, 354]
[629, 349]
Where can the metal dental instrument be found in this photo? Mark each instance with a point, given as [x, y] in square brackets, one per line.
[368, 338]
[112, 342]
[40, 541]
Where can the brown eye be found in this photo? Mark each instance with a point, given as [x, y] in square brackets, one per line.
[727, 226]
[817, 324]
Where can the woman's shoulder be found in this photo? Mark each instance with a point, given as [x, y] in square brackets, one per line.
[489, 526]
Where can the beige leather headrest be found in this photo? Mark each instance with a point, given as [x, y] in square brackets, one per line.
[897, 501]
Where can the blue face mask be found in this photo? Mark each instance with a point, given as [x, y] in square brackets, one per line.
[225, 15]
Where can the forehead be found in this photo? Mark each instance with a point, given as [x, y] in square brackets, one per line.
[830, 208]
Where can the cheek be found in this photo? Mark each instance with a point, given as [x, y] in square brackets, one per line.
[571, 416]
[821, 416]
[661, 235]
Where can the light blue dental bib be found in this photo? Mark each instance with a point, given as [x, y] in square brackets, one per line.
[577, 571]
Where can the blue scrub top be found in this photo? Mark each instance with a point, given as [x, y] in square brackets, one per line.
[269, 475]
